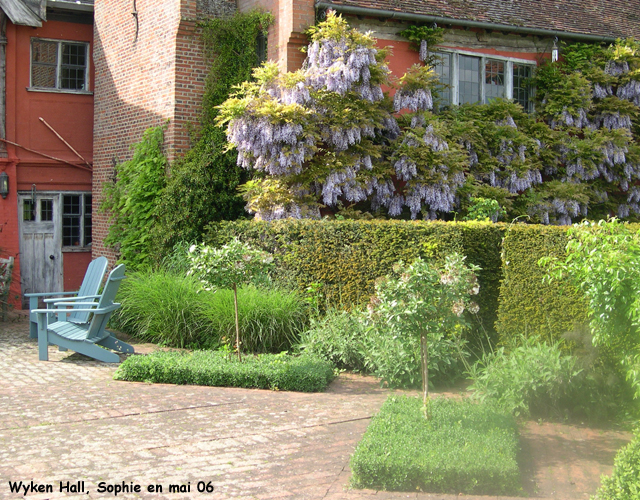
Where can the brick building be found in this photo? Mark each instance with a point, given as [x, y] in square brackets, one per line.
[46, 132]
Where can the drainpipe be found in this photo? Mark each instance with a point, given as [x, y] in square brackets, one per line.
[424, 18]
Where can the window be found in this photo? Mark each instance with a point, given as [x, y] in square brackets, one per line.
[470, 78]
[59, 65]
[76, 220]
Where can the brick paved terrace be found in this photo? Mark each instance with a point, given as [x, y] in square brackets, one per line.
[66, 421]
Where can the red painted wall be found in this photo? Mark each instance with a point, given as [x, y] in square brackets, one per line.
[71, 115]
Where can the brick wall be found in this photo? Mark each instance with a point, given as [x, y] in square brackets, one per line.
[286, 36]
[145, 81]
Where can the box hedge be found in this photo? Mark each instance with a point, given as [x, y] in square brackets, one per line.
[462, 448]
[347, 256]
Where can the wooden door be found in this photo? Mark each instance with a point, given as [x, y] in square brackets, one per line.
[40, 243]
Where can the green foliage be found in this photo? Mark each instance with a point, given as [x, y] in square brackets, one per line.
[463, 448]
[172, 309]
[624, 482]
[229, 266]
[603, 261]
[263, 371]
[531, 379]
[529, 305]
[351, 342]
[347, 256]
[340, 337]
[131, 200]
[425, 302]
[485, 209]
[536, 379]
[202, 186]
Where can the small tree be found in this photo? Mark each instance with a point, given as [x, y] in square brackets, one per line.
[426, 301]
[234, 264]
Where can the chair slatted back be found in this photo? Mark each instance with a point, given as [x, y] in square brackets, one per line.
[99, 321]
[90, 286]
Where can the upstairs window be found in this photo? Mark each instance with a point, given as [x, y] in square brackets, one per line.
[59, 65]
[470, 78]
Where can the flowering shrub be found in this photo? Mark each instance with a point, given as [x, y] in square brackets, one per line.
[427, 302]
[234, 264]
[327, 136]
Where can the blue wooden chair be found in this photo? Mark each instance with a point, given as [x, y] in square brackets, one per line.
[88, 291]
[90, 338]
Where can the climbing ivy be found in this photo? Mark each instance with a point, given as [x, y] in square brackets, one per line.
[202, 186]
[131, 199]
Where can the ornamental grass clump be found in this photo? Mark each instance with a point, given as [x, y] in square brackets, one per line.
[227, 267]
[427, 302]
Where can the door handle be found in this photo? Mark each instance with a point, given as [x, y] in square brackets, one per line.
[51, 257]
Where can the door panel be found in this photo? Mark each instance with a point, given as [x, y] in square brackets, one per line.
[40, 243]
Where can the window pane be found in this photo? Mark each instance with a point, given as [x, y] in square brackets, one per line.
[469, 81]
[73, 67]
[43, 51]
[28, 212]
[493, 80]
[71, 231]
[87, 219]
[442, 68]
[71, 220]
[521, 87]
[46, 210]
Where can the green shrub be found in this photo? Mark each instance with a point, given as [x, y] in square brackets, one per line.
[462, 448]
[624, 482]
[347, 256]
[539, 379]
[338, 337]
[217, 368]
[348, 340]
[173, 310]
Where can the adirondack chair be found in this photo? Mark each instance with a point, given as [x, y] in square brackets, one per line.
[88, 291]
[90, 338]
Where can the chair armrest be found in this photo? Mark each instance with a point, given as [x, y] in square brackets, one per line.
[100, 310]
[72, 304]
[69, 299]
[48, 294]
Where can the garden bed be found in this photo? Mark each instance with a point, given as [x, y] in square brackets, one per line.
[215, 368]
[462, 448]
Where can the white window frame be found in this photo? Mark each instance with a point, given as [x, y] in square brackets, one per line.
[508, 75]
[58, 87]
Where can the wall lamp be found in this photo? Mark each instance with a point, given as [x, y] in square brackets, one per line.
[4, 185]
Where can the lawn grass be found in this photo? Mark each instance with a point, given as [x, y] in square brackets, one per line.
[463, 447]
[214, 368]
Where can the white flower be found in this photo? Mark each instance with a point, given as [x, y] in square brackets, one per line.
[473, 308]
[458, 308]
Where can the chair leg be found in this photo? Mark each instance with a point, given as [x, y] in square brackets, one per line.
[43, 341]
[113, 343]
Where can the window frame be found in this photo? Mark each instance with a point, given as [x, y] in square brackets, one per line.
[83, 246]
[454, 74]
[59, 65]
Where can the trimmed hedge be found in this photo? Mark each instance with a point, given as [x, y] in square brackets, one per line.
[527, 306]
[214, 368]
[462, 448]
[347, 256]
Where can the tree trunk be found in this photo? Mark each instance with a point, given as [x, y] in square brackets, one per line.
[235, 304]
[425, 373]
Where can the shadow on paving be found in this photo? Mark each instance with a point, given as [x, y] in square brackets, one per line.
[68, 420]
